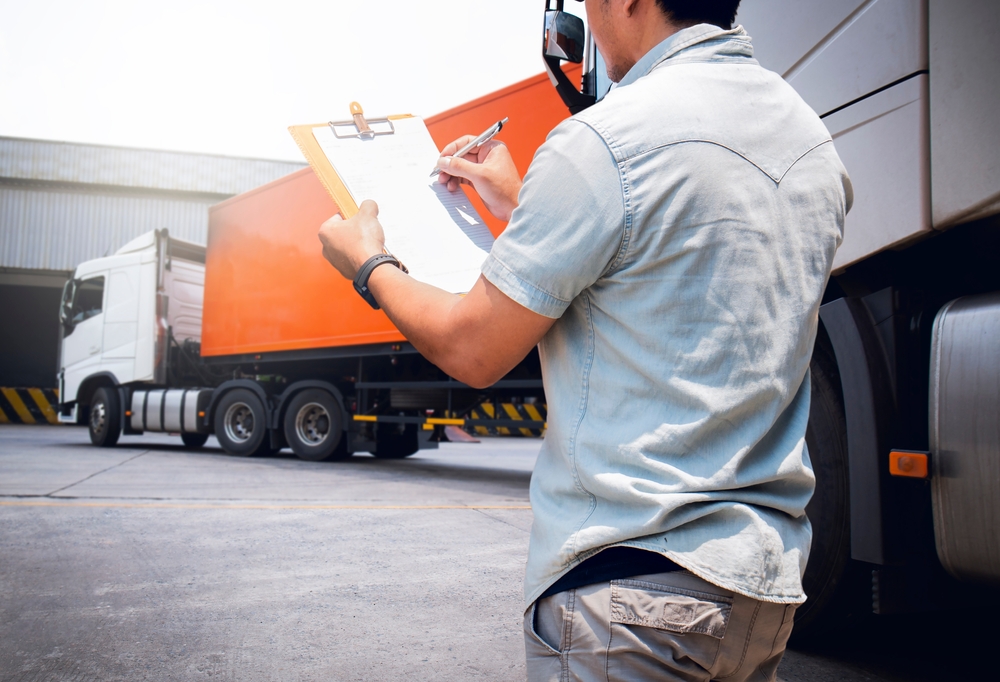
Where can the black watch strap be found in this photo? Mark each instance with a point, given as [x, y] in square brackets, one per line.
[366, 270]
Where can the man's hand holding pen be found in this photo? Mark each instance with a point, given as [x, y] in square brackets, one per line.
[479, 161]
[487, 167]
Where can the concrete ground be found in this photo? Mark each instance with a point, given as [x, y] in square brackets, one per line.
[149, 562]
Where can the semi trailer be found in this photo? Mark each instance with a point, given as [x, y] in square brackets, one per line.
[256, 339]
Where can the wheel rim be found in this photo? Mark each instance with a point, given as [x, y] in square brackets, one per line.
[98, 417]
[239, 423]
[312, 424]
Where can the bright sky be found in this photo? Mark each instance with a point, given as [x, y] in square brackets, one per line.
[229, 76]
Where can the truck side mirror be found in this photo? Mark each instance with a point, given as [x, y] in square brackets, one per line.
[564, 36]
[565, 39]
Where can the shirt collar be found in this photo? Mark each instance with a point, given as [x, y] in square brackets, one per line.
[682, 40]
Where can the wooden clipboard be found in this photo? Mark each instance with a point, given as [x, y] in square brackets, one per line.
[304, 138]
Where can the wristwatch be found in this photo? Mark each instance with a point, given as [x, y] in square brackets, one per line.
[366, 270]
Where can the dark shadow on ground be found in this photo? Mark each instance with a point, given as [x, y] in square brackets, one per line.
[938, 646]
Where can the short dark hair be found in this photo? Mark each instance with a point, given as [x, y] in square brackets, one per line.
[722, 13]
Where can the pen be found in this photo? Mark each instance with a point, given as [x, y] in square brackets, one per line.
[489, 134]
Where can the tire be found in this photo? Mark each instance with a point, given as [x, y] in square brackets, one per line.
[194, 441]
[241, 424]
[314, 426]
[834, 583]
[395, 441]
[104, 421]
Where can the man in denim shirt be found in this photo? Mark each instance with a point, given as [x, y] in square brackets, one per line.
[667, 251]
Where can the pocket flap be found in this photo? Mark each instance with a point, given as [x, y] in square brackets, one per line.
[634, 602]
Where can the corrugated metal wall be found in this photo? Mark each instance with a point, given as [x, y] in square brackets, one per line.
[124, 167]
[63, 203]
[56, 229]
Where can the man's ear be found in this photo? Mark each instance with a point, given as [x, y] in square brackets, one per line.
[630, 6]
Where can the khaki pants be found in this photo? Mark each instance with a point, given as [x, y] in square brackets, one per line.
[667, 626]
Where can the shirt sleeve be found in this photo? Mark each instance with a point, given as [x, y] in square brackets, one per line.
[569, 224]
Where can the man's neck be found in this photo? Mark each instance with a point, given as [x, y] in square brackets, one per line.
[652, 34]
[640, 27]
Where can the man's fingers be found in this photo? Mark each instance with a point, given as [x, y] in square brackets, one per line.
[329, 223]
[460, 168]
[452, 147]
[370, 207]
[335, 218]
[461, 172]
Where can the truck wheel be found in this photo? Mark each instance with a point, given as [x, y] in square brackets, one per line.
[833, 582]
[193, 441]
[105, 419]
[240, 423]
[395, 441]
[314, 426]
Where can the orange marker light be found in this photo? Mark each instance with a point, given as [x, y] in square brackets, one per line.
[909, 463]
[201, 414]
[128, 413]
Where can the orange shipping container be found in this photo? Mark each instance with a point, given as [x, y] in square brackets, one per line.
[267, 286]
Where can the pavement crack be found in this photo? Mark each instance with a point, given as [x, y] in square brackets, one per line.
[97, 473]
[496, 518]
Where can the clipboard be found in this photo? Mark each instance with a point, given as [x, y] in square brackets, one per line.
[328, 177]
[438, 234]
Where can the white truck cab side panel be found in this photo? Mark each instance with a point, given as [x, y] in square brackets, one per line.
[145, 356]
[965, 109]
[838, 54]
[122, 315]
[835, 51]
[785, 31]
[883, 142]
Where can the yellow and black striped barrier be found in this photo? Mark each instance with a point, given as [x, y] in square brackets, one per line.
[493, 421]
[28, 405]
[509, 420]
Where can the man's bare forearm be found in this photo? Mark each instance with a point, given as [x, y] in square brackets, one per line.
[476, 338]
[424, 314]
[461, 335]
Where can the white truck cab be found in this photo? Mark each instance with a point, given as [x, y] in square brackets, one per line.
[120, 312]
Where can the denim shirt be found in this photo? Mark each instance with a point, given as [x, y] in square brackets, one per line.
[682, 232]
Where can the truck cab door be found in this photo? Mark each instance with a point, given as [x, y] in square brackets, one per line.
[121, 318]
[83, 331]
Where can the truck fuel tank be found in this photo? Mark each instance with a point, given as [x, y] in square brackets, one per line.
[964, 438]
[173, 410]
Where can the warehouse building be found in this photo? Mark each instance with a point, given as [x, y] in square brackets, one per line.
[63, 203]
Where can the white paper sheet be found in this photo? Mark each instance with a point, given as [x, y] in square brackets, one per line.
[438, 235]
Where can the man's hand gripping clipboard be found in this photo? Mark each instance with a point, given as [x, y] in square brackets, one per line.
[437, 233]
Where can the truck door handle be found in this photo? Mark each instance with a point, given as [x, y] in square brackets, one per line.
[94, 349]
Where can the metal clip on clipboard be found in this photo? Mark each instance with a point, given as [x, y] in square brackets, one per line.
[360, 126]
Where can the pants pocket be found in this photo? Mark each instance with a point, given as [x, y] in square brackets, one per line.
[531, 635]
[637, 602]
[543, 662]
[659, 630]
